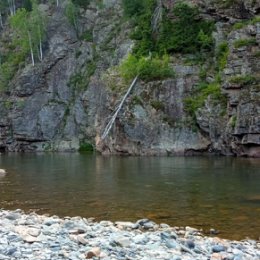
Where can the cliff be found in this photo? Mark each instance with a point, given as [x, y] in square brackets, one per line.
[64, 102]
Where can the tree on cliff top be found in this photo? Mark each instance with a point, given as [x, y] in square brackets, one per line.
[29, 30]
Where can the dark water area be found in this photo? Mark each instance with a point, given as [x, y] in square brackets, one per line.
[216, 192]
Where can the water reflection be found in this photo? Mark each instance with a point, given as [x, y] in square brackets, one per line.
[205, 192]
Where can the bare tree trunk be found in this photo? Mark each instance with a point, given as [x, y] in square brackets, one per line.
[10, 7]
[112, 120]
[41, 54]
[1, 21]
[57, 3]
[40, 44]
[14, 7]
[31, 48]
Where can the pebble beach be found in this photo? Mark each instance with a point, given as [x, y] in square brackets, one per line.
[42, 237]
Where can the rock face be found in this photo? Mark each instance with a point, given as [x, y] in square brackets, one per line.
[65, 101]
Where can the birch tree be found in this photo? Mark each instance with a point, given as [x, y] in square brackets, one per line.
[30, 29]
[12, 8]
[37, 21]
[20, 24]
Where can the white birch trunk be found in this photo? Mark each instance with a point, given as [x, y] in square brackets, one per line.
[40, 44]
[31, 48]
[57, 3]
[10, 6]
[14, 7]
[41, 54]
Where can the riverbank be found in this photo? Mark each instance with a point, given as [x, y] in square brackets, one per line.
[31, 236]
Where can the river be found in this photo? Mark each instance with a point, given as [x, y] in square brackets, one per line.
[204, 192]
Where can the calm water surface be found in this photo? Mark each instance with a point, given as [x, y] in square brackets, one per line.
[223, 193]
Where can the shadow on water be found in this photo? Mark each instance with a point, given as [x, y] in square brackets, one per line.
[203, 192]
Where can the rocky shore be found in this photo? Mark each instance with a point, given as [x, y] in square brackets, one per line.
[41, 237]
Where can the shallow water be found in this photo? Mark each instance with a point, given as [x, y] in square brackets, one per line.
[215, 192]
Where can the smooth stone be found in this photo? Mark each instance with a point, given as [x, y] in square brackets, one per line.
[13, 216]
[140, 239]
[94, 252]
[149, 225]
[124, 224]
[35, 232]
[191, 230]
[141, 222]
[122, 241]
[10, 251]
[167, 235]
[77, 231]
[106, 223]
[190, 244]
[29, 239]
[171, 243]
[213, 231]
[2, 172]
[163, 225]
[81, 239]
[218, 248]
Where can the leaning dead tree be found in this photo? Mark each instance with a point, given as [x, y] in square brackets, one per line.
[114, 116]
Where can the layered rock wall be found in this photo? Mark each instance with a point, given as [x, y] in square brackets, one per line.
[65, 101]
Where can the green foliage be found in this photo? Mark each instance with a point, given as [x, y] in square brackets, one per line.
[257, 54]
[147, 68]
[87, 36]
[133, 7]
[193, 103]
[242, 24]
[86, 147]
[238, 25]
[91, 68]
[158, 105]
[80, 80]
[141, 18]
[255, 20]
[233, 121]
[28, 35]
[244, 42]
[71, 12]
[27, 5]
[81, 3]
[136, 100]
[28, 27]
[187, 33]
[222, 55]
[8, 104]
[243, 80]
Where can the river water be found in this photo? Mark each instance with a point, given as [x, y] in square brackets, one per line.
[216, 192]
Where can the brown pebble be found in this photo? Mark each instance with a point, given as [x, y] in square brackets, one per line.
[95, 251]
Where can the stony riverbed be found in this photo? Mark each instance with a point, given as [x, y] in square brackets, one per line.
[40, 237]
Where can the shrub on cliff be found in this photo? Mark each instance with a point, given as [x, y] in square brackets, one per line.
[147, 68]
[187, 32]
[181, 29]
